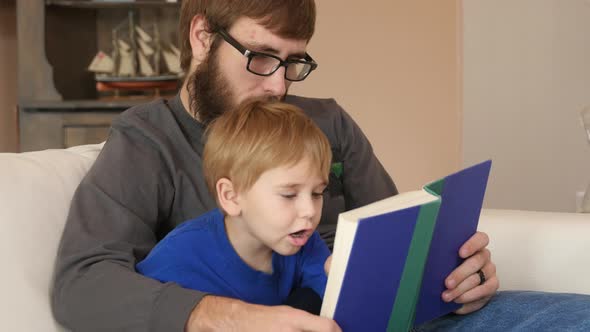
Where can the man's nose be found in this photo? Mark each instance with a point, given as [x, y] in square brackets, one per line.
[276, 84]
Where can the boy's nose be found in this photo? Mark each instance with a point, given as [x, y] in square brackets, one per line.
[307, 208]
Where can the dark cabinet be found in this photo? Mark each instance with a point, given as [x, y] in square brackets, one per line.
[58, 102]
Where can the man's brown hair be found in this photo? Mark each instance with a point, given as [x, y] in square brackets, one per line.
[260, 135]
[294, 19]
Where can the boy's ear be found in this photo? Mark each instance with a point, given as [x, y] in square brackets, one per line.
[200, 38]
[227, 197]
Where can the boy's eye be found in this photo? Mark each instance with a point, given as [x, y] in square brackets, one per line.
[288, 196]
[318, 195]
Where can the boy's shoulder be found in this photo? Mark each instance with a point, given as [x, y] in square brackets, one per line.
[205, 225]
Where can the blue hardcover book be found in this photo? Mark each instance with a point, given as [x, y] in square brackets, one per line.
[391, 257]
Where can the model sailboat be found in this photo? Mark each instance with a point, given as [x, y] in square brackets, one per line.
[138, 61]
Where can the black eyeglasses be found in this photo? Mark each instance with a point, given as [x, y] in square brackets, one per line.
[266, 64]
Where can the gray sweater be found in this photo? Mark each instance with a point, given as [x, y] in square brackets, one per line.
[147, 180]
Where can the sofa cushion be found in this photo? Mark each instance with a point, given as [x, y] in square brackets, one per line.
[35, 192]
[539, 251]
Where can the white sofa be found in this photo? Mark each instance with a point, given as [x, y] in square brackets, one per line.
[532, 250]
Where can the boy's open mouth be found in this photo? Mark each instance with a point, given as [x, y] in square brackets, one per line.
[299, 234]
[300, 238]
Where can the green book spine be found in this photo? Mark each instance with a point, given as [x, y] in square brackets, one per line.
[404, 307]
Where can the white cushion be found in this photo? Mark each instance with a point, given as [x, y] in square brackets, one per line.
[35, 193]
[542, 251]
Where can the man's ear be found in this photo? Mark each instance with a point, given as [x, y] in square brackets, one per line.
[200, 38]
[227, 197]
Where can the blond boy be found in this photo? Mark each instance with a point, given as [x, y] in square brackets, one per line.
[267, 165]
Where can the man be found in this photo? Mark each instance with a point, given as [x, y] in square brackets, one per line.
[148, 179]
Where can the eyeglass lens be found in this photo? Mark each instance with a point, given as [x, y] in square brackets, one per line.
[266, 65]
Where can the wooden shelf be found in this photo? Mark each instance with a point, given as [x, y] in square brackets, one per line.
[91, 4]
[58, 103]
[81, 105]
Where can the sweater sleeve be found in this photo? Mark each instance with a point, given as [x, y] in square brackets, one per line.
[363, 177]
[114, 219]
[314, 256]
[357, 177]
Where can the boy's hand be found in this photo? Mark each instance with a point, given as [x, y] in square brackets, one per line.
[327, 265]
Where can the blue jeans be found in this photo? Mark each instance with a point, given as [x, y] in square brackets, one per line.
[521, 311]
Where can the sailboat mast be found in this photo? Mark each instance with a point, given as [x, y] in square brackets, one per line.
[115, 53]
[158, 46]
[132, 40]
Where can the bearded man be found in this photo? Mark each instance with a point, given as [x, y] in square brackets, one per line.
[148, 179]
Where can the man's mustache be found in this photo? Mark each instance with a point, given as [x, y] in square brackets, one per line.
[276, 98]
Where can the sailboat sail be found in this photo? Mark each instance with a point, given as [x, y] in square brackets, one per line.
[126, 67]
[145, 47]
[102, 63]
[142, 34]
[175, 50]
[144, 66]
[172, 62]
[137, 55]
[123, 46]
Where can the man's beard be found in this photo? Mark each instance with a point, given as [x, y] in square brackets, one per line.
[209, 92]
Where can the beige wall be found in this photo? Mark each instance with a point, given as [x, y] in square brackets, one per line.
[394, 66]
[8, 139]
[526, 77]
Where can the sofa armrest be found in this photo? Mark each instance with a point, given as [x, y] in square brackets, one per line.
[543, 251]
[35, 193]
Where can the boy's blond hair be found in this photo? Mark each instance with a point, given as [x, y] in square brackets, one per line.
[260, 135]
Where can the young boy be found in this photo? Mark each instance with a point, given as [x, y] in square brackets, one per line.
[267, 165]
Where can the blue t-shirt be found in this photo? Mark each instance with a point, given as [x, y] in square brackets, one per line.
[198, 255]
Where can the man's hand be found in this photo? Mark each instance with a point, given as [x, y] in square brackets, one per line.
[463, 283]
[215, 313]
